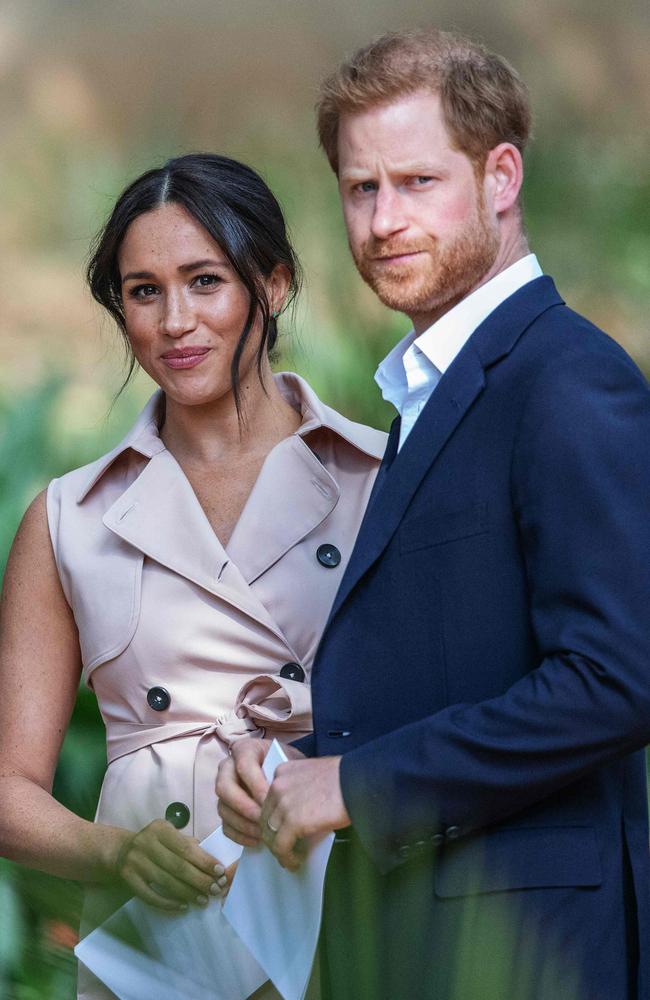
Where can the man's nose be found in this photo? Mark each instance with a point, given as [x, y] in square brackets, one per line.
[389, 216]
[178, 316]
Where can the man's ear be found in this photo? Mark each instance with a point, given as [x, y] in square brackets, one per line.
[503, 177]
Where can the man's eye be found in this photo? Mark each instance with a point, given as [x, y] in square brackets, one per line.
[206, 280]
[422, 179]
[143, 291]
[365, 187]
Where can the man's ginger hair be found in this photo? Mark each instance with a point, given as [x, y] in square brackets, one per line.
[484, 102]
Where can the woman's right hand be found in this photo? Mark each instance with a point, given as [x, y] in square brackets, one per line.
[169, 870]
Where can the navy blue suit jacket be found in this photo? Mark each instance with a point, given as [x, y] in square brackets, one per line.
[485, 673]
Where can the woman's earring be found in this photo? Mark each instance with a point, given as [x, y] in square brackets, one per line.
[275, 314]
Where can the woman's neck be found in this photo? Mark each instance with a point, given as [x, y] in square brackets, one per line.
[203, 434]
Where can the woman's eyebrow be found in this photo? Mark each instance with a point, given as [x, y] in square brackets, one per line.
[194, 265]
[184, 268]
[137, 274]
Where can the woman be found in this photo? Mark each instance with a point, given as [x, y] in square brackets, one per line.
[187, 575]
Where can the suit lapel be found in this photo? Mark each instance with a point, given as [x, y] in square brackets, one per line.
[457, 390]
[446, 407]
[293, 494]
[389, 455]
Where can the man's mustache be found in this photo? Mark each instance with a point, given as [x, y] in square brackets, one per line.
[376, 250]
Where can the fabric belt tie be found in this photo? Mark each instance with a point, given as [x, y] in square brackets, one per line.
[265, 702]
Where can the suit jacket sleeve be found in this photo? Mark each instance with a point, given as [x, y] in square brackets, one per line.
[306, 745]
[580, 486]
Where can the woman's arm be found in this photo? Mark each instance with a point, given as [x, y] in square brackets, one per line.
[40, 667]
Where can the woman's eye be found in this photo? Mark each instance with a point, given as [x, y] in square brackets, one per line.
[206, 281]
[143, 291]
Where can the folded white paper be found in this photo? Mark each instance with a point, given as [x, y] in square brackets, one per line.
[277, 913]
[141, 953]
[267, 929]
[194, 956]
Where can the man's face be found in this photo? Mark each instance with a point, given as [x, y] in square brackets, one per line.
[420, 227]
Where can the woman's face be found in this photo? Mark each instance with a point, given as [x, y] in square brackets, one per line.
[184, 305]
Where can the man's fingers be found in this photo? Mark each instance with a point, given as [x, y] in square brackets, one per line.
[289, 850]
[240, 838]
[239, 801]
[251, 775]
[233, 820]
[232, 795]
[281, 834]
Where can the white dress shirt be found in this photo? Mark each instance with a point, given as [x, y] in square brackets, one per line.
[410, 372]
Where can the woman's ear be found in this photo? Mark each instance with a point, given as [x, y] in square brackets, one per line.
[277, 287]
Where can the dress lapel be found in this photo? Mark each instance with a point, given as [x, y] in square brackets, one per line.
[159, 514]
[293, 494]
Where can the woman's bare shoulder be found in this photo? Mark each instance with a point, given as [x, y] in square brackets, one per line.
[31, 576]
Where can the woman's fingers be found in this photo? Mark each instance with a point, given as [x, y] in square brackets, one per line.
[167, 884]
[150, 895]
[227, 878]
[173, 864]
[189, 850]
[181, 869]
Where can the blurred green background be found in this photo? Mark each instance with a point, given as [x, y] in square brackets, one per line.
[93, 93]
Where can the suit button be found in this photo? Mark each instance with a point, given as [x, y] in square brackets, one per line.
[328, 556]
[404, 851]
[159, 699]
[292, 672]
[437, 839]
[177, 814]
[452, 833]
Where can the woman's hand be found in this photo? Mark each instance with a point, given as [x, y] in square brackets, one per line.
[169, 870]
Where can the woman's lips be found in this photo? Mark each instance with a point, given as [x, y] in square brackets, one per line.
[186, 357]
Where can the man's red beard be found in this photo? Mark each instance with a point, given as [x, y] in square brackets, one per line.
[439, 276]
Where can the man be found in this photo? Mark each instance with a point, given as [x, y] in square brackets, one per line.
[482, 691]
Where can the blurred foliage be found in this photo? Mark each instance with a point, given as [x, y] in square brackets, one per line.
[37, 910]
[87, 102]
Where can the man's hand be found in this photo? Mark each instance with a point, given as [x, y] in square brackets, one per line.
[304, 799]
[242, 789]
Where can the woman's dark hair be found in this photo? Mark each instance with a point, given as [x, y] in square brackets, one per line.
[237, 209]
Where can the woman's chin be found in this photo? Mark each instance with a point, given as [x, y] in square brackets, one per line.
[195, 393]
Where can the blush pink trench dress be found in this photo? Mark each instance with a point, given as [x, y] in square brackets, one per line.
[189, 645]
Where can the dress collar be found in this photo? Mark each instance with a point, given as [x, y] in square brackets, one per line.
[144, 436]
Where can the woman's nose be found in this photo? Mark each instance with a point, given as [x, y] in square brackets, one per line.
[178, 316]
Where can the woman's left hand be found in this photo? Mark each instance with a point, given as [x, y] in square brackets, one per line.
[169, 870]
